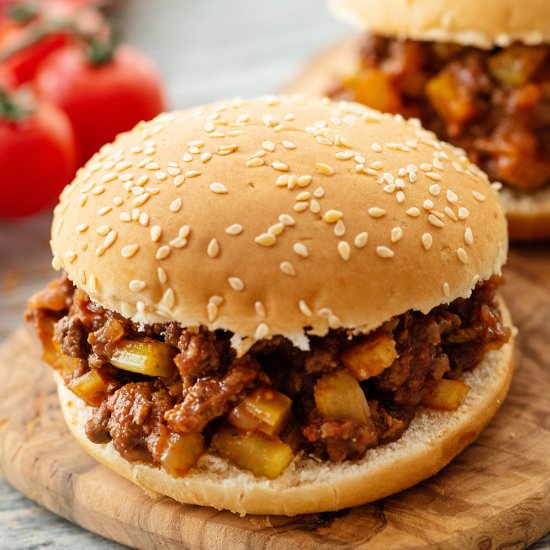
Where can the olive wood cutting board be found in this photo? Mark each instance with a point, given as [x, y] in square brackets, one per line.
[495, 494]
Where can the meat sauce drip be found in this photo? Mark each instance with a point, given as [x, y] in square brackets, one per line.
[275, 396]
[493, 104]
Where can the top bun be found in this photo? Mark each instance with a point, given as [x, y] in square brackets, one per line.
[278, 216]
[481, 23]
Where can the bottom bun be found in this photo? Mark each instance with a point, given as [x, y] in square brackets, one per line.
[528, 214]
[310, 485]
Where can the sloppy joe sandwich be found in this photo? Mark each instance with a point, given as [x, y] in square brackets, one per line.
[475, 73]
[277, 306]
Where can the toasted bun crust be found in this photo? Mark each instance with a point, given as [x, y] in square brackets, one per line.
[307, 485]
[484, 24]
[149, 226]
[528, 214]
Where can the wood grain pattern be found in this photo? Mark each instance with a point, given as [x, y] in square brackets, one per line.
[496, 493]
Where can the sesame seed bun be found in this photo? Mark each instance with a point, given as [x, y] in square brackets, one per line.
[432, 440]
[469, 22]
[528, 214]
[278, 216]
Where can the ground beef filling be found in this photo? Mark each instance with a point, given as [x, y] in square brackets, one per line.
[139, 413]
[494, 104]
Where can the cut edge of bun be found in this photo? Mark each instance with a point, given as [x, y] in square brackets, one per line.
[309, 485]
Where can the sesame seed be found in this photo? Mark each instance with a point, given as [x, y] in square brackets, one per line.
[136, 285]
[155, 232]
[103, 230]
[376, 147]
[141, 200]
[234, 229]
[107, 178]
[428, 204]
[427, 240]
[396, 234]
[160, 175]
[152, 166]
[161, 275]
[303, 196]
[117, 201]
[205, 157]
[70, 256]
[98, 190]
[446, 290]
[172, 171]
[236, 283]
[304, 181]
[178, 242]
[339, 228]
[262, 330]
[451, 196]
[463, 213]
[361, 239]
[301, 250]
[376, 212]
[281, 166]
[260, 309]
[377, 165]
[344, 250]
[468, 236]
[254, 162]
[425, 167]
[110, 239]
[129, 250]
[332, 216]
[324, 169]
[187, 157]
[300, 206]
[292, 181]
[184, 231]
[123, 165]
[125, 217]
[462, 255]
[169, 298]
[163, 252]
[384, 252]
[287, 268]
[80, 228]
[289, 144]
[319, 193]
[92, 283]
[433, 176]
[276, 229]
[314, 206]
[218, 188]
[305, 309]
[192, 173]
[282, 181]
[477, 195]
[213, 248]
[287, 220]
[178, 180]
[435, 221]
[176, 204]
[266, 239]
[434, 189]
[268, 146]
[344, 155]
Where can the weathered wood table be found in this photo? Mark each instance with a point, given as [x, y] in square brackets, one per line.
[206, 50]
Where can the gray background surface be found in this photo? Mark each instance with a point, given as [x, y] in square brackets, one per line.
[206, 50]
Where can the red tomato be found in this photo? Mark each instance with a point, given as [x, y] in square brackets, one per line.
[24, 62]
[37, 159]
[101, 100]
